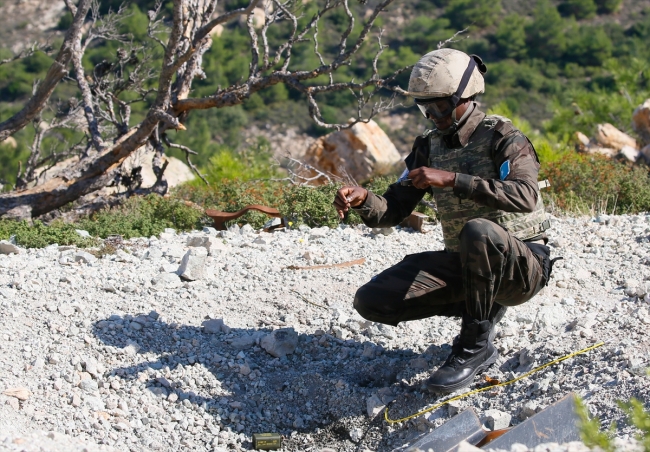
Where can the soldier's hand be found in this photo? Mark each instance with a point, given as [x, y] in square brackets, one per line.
[348, 197]
[425, 177]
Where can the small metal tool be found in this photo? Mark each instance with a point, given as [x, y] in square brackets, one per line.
[406, 182]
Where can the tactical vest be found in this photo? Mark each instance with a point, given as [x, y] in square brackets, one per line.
[477, 159]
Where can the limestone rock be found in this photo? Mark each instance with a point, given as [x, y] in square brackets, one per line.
[496, 420]
[280, 342]
[213, 326]
[19, 393]
[641, 121]
[374, 406]
[362, 151]
[8, 248]
[610, 137]
[193, 264]
[176, 172]
[84, 257]
[166, 280]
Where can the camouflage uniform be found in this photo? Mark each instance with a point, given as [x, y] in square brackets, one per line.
[493, 226]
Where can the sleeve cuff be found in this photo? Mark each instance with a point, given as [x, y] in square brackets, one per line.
[464, 185]
[367, 207]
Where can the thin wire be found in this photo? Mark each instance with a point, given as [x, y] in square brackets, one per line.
[476, 391]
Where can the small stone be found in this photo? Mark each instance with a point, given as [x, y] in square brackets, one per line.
[244, 369]
[38, 363]
[173, 397]
[58, 384]
[89, 386]
[8, 248]
[356, 434]
[374, 406]
[243, 342]
[159, 392]
[262, 240]
[135, 326]
[213, 326]
[76, 400]
[496, 420]
[167, 281]
[280, 342]
[66, 310]
[193, 264]
[210, 230]
[82, 233]
[18, 393]
[528, 410]
[84, 257]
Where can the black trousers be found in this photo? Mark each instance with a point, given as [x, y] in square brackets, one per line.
[493, 266]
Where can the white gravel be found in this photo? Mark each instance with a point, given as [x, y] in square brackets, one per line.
[122, 354]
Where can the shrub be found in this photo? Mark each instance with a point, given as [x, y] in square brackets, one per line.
[580, 9]
[586, 183]
[143, 217]
[40, 235]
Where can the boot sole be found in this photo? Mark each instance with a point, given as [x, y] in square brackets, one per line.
[468, 380]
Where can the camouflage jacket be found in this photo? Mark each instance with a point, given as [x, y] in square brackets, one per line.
[477, 182]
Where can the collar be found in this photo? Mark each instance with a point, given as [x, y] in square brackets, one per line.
[468, 125]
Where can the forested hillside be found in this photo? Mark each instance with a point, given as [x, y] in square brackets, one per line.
[561, 65]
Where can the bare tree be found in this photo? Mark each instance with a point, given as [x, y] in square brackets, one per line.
[105, 117]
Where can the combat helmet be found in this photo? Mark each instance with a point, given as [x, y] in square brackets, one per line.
[440, 79]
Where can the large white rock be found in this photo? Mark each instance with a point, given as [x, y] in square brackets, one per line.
[362, 151]
[609, 136]
[193, 264]
[176, 172]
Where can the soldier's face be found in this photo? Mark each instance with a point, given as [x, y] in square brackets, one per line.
[447, 121]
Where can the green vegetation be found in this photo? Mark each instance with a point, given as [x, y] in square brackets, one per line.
[137, 217]
[555, 67]
[592, 435]
[547, 61]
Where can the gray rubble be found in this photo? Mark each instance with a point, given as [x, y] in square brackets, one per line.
[125, 353]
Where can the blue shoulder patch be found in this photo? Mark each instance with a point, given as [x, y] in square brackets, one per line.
[504, 170]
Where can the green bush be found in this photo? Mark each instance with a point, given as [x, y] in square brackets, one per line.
[510, 37]
[589, 184]
[479, 13]
[545, 34]
[143, 217]
[580, 9]
[40, 235]
[608, 6]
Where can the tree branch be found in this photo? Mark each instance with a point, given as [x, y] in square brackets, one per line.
[57, 71]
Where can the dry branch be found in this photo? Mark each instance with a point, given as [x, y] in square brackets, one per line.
[105, 116]
[57, 71]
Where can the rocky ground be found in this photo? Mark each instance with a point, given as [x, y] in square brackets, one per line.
[121, 353]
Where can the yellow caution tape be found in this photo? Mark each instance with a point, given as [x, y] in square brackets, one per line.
[476, 391]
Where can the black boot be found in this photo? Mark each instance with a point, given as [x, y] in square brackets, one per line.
[471, 353]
